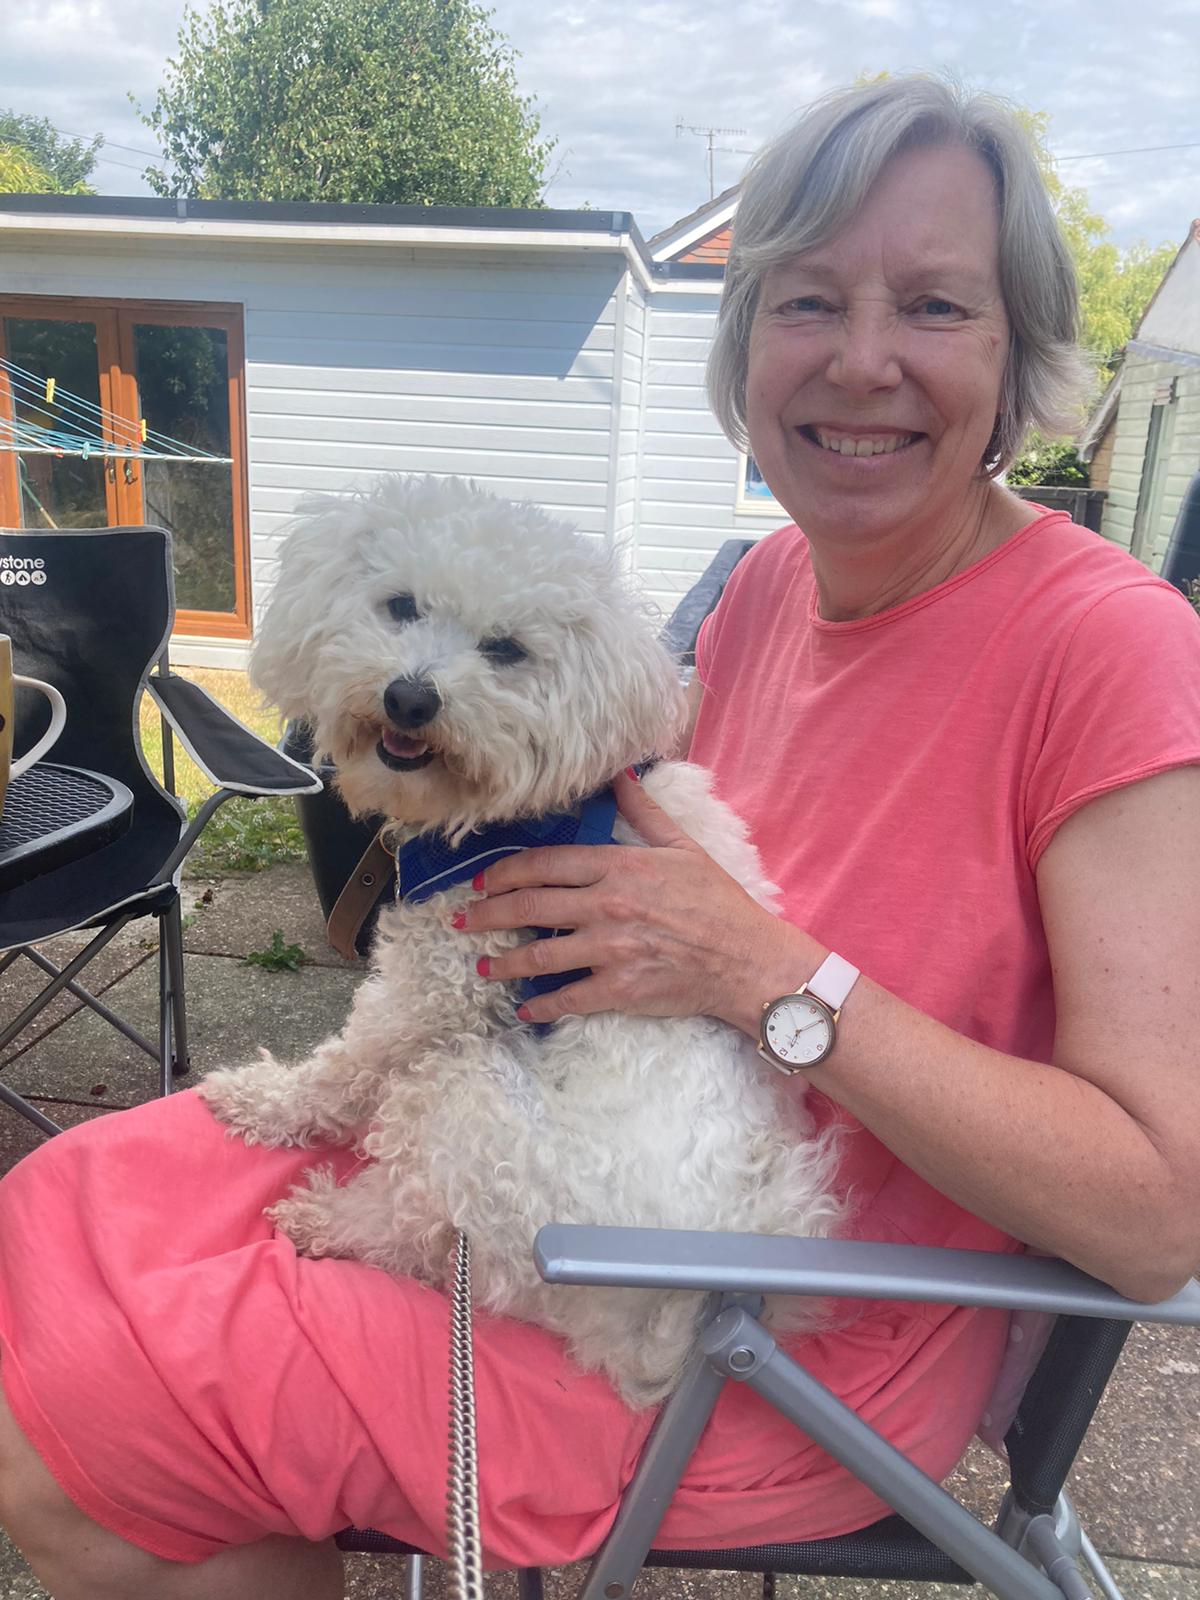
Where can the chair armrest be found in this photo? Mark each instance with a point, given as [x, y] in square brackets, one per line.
[224, 749]
[748, 1263]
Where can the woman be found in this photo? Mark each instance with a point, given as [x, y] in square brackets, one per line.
[965, 735]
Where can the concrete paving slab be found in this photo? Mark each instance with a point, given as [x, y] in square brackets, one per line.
[1136, 1482]
[244, 912]
[232, 1010]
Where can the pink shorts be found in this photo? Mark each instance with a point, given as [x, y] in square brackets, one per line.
[193, 1384]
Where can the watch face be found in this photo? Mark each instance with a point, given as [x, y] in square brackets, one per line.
[798, 1030]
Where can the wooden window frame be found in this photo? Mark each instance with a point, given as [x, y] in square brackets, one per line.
[114, 322]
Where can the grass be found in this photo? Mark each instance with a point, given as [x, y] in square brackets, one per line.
[245, 835]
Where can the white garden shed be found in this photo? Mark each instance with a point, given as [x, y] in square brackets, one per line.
[279, 348]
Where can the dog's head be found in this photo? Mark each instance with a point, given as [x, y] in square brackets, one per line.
[462, 658]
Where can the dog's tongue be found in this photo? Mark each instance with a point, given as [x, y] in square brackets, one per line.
[398, 744]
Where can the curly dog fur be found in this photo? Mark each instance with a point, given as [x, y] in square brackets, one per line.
[545, 678]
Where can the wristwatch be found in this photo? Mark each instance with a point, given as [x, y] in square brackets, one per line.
[799, 1030]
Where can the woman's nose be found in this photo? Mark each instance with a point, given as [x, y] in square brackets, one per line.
[865, 357]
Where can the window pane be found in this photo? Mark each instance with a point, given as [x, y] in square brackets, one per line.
[57, 491]
[183, 387]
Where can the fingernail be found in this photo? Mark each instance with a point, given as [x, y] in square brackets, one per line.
[483, 966]
[631, 772]
[523, 1013]
[477, 882]
[459, 919]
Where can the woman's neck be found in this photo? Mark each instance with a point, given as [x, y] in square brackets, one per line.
[859, 579]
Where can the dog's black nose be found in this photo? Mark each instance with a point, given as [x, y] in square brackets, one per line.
[411, 702]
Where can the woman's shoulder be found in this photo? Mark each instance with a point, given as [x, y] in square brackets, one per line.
[1059, 573]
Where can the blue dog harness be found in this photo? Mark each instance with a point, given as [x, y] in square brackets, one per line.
[428, 864]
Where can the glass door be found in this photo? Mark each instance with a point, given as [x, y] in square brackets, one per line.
[118, 414]
[182, 366]
[55, 394]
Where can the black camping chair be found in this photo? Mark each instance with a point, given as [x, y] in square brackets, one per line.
[1030, 1551]
[91, 612]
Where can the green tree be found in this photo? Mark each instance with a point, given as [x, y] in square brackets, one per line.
[1115, 286]
[20, 175]
[60, 165]
[410, 101]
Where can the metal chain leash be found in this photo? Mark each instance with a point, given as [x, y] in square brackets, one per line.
[465, 1551]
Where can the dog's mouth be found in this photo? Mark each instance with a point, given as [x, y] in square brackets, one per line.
[401, 752]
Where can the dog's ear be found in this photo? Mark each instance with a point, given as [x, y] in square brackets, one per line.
[297, 611]
[637, 703]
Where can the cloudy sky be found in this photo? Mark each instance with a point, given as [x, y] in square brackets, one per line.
[613, 78]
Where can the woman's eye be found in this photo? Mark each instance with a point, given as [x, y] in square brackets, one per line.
[804, 302]
[403, 608]
[502, 652]
[937, 308]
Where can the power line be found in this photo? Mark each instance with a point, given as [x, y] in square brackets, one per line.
[110, 144]
[114, 161]
[1138, 150]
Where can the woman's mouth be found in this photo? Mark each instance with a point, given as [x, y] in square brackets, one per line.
[401, 752]
[884, 442]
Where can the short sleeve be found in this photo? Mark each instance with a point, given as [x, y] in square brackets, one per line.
[1124, 705]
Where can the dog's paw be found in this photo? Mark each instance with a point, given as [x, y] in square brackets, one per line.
[305, 1216]
[238, 1097]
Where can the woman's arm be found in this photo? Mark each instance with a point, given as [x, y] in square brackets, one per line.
[1096, 1158]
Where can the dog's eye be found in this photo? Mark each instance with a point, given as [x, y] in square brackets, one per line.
[503, 652]
[403, 608]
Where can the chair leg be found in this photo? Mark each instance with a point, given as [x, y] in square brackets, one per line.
[165, 1010]
[529, 1583]
[10, 1097]
[172, 927]
[414, 1572]
[1105, 1581]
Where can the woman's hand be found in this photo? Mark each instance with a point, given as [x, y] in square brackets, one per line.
[664, 929]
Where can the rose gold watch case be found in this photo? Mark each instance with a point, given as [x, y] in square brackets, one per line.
[791, 1068]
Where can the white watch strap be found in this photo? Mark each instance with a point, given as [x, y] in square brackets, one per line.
[833, 981]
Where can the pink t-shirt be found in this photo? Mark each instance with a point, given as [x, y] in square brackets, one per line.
[903, 773]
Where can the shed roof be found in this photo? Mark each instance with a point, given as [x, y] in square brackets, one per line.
[347, 222]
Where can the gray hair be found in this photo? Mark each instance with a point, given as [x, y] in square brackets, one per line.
[808, 183]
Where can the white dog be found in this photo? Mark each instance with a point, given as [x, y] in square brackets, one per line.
[463, 661]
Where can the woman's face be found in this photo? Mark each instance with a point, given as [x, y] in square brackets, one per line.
[876, 359]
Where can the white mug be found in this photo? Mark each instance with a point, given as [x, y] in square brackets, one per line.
[9, 768]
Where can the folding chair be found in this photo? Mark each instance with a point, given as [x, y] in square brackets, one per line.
[91, 611]
[1031, 1550]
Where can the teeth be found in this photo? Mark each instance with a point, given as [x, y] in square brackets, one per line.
[884, 445]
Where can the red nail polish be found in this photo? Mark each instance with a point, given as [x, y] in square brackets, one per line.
[483, 966]
[631, 772]
[477, 882]
[523, 1013]
[459, 919]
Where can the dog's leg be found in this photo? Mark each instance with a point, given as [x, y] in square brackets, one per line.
[325, 1098]
[357, 1221]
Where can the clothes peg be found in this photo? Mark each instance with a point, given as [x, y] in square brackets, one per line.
[49, 391]
[87, 449]
[143, 430]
